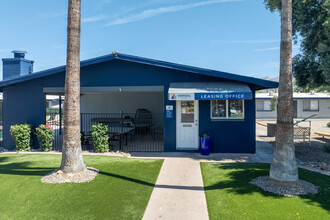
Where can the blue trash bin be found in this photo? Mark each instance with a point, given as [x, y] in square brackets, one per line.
[205, 145]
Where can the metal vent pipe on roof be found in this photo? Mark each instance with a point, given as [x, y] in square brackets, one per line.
[19, 53]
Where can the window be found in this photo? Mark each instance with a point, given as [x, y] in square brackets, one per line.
[187, 112]
[227, 109]
[263, 105]
[310, 105]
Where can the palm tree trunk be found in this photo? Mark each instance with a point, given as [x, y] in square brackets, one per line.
[284, 167]
[72, 161]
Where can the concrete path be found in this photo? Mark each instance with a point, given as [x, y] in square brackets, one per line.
[179, 192]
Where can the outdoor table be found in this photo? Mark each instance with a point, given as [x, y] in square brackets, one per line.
[116, 127]
[112, 120]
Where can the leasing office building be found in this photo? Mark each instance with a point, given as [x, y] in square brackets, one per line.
[182, 102]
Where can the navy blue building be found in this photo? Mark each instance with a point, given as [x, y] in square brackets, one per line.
[159, 106]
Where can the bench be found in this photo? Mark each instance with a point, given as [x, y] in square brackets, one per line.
[302, 133]
[323, 134]
[262, 124]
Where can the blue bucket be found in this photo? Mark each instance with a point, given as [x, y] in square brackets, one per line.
[205, 145]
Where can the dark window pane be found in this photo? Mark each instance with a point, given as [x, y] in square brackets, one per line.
[187, 111]
[306, 105]
[235, 109]
[218, 108]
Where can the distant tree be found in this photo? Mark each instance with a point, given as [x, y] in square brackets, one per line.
[72, 161]
[273, 103]
[311, 24]
[284, 166]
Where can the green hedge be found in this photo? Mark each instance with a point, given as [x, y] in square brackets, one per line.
[100, 138]
[45, 135]
[22, 136]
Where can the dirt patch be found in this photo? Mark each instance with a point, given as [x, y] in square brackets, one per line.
[291, 189]
[312, 155]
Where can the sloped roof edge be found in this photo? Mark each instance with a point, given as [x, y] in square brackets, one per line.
[260, 83]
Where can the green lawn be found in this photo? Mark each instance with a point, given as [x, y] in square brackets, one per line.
[121, 190]
[229, 194]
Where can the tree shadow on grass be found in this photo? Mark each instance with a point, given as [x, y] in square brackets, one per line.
[3, 159]
[23, 168]
[142, 182]
[239, 182]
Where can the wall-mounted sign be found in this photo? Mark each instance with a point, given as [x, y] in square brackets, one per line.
[169, 111]
[211, 96]
[181, 96]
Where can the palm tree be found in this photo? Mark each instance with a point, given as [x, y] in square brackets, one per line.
[72, 161]
[284, 167]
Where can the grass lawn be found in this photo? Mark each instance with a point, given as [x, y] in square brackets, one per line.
[229, 194]
[121, 190]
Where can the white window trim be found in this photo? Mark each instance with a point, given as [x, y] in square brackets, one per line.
[227, 118]
[310, 110]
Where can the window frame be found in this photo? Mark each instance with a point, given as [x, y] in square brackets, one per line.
[310, 110]
[263, 105]
[228, 118]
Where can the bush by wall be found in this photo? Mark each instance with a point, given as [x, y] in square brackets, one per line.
[328, 124]
[100, 138]
[22, 136]
[45, 135]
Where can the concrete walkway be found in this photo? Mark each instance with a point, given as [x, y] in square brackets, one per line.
[179, 192]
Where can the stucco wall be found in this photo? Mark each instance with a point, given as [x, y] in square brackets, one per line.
[323, 112]
[22, 103]
[324, 109]
[128, 102]
[266, 114]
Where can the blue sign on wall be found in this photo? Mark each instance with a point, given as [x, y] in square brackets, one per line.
[169, 111]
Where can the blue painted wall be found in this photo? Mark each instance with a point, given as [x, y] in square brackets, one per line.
[25, 102]
[22, 103]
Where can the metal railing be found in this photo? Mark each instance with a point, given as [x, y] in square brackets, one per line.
[129, 132]
[141, 131]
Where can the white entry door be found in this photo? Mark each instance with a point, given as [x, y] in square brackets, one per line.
[187, 125]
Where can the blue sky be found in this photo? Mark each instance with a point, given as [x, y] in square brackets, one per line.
[229, 35]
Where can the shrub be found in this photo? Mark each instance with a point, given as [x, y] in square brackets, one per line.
[45, 135]
[100, 138]
[328, 124]
[326, 147]
[22, 136]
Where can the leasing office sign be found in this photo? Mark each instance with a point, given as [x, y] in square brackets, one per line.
[211, 96]
[223, 96]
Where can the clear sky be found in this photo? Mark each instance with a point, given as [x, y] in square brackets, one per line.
[237, 36]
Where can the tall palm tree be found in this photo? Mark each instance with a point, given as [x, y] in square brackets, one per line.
[72, 161]
[284, 167]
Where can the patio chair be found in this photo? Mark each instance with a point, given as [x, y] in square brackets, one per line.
[142, 121]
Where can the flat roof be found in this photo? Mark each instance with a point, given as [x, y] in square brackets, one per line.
[296, 95]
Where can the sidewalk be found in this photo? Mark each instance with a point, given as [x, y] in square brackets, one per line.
[179, 192]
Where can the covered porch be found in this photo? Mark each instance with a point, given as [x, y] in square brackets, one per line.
[134, 115]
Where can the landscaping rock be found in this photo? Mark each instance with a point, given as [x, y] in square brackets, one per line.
[57, 176]
[290, 189]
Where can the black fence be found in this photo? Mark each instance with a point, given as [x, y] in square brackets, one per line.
[56, 123]
[129, 132]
